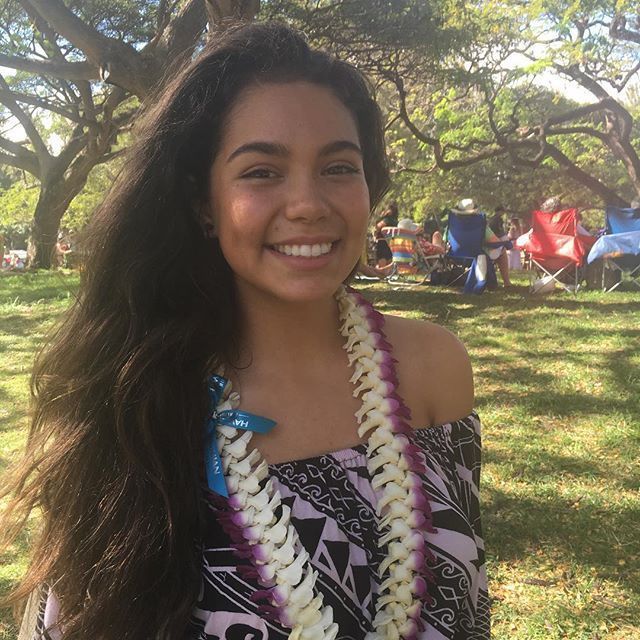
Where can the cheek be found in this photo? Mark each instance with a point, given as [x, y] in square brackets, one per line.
[237, 217]
[360, 209]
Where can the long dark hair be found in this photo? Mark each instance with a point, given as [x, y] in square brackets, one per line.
[114, 452]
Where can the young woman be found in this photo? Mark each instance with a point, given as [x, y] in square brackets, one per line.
[213, 306]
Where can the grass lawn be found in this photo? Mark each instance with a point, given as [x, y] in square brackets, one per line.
[558, 389]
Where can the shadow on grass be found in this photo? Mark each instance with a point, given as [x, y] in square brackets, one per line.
[523, 523]
[557, 337]
[545, 401]
[24, 325]
[545, 466]
[445, 302]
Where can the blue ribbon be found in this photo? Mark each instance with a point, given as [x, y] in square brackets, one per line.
[230, 418]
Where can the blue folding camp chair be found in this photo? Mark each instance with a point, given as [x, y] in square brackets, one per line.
[620, 246]
[466, 240]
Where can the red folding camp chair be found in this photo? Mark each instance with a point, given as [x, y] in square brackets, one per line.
[555, 248]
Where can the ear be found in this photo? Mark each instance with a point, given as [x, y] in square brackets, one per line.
[207, 219]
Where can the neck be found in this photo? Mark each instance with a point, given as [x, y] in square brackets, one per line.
[302, 335]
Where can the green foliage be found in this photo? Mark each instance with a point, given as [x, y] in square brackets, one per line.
[452, 55]
[84, 204]
[132, 21]
[460, 120]
[413, 33]
[17, 203]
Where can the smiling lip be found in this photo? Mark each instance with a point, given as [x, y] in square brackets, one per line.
[305, 253]
[299, 240]
[308, 248]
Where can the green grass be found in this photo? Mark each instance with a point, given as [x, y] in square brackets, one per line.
[558, 389]
[30, 303]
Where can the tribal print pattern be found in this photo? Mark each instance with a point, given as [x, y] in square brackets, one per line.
[332, 504]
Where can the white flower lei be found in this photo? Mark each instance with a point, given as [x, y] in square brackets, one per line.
[259, 523]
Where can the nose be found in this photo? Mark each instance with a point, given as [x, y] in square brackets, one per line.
[306, 200]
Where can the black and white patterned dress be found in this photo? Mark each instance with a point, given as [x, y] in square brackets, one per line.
[332, 506]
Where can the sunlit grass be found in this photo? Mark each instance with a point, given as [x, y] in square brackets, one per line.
[29, 306]
[558, 389]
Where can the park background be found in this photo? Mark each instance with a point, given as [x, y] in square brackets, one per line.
[506, 102]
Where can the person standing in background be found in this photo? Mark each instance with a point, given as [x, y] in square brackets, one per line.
[515, 255]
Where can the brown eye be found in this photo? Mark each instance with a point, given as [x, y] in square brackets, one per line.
[260, 174]
[342, 169]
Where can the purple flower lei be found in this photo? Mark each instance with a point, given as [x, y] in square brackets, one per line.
[259, 525]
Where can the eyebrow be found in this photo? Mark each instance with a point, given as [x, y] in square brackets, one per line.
[280, 150]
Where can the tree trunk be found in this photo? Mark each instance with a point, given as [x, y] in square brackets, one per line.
[55, 197]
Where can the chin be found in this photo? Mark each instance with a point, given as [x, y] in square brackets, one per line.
[302, 291]
[308, 293]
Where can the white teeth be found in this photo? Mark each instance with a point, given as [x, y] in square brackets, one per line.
[304, 250]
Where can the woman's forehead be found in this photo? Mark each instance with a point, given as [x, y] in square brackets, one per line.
[290, 113]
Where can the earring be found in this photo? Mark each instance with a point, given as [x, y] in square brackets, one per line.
[209, 230]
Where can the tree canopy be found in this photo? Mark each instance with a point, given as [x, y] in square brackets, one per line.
[82, 68]
[496, 107]
[471, 91]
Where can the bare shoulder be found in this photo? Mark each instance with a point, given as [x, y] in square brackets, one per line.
[434, 370]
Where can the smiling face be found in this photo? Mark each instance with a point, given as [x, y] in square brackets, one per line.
[288, 197]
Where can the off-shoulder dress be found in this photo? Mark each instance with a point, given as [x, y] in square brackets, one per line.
[332, 505]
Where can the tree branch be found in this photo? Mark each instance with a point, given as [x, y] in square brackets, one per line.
[91, 42]
[608, 195]
[183, 31]
[41, 25]
[434, 143]
[221, 10]
[27, 124]
[21, 162]
[117, 62]
[575, 73]
[580, 112]
[15, 148]
[589, 131]
[66, 70]
[618, 29]
[40, 103]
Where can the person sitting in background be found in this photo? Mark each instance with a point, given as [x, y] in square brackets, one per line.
[580, 228]
[437, 239]
[513, 233]
[551, 205]
[496, 222]
[428, 248]
[389, 217]
[374, 272]
[383, 253]
[515, 228]
[430, 237]
[498, 255]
